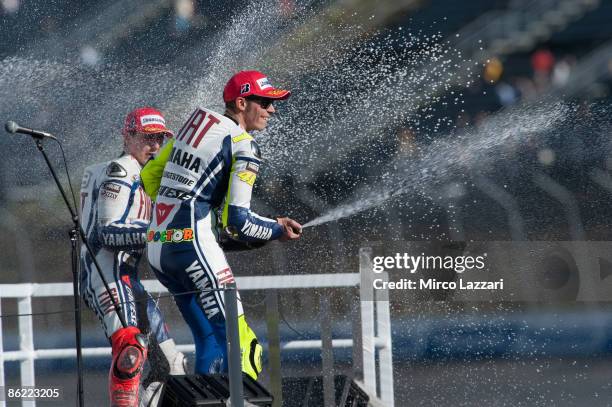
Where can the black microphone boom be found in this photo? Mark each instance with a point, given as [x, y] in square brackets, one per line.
[13, 128]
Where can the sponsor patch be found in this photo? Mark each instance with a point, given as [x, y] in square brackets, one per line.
[108, 195]
[276, 92]
[206, 297]
[263, 83]
[174, 193]
[245, 88]
[254, 168]
[106, 304]
[185, 159]
[131, 305]
[123, 239]
[162, 211]
[116, 170]
[257, 231]
[152, 119]
[126, 280]
[170, 235]
[247, 176]
[179, 178]
[111, 187]
[225, 276]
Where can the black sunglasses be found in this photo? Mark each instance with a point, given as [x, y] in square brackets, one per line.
[263, 102]
[159, 137]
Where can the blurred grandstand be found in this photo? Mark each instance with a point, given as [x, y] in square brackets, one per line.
[75, 68]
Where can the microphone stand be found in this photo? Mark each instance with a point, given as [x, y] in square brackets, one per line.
[75, 232]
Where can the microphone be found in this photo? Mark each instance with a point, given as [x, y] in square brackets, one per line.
[13, 128]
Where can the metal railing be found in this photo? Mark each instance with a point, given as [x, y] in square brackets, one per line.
[375, 326]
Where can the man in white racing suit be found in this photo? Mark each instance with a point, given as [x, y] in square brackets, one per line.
[115, 214]
[202, 184]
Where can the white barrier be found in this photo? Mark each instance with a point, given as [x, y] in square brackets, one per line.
[372, 321]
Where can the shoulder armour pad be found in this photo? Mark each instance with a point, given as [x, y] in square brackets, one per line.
[116, 170]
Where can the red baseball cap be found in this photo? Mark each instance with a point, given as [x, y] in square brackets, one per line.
[146, 120]
[247, 83]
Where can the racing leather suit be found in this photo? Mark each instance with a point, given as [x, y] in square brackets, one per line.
[115, 213]
[202, 184]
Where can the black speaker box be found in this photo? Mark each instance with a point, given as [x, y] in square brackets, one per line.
[210, 390]
[308, 392]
